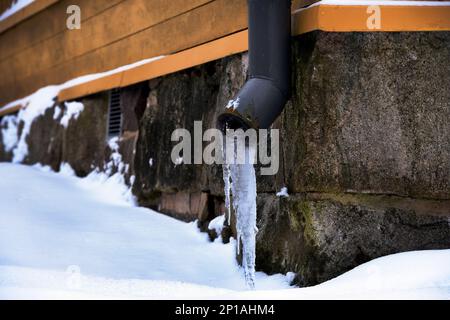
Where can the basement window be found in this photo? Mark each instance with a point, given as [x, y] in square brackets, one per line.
[115, 114]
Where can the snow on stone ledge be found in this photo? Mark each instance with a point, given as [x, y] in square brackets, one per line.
[37, 104]
[217, 224]
[73, 110]
[283, 193]
[53, 90]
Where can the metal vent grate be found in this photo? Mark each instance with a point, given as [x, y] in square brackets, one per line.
[115, 114]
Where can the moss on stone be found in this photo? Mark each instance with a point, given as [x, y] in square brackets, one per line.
[383, 202]
[300, 213]
[308, 229]
[294, 212]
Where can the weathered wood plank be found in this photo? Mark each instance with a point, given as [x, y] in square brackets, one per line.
[47, 24]
[216, 49]
[205, 23]
[107, 27]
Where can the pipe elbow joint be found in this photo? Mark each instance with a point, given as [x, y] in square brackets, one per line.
[263, 97]
[257, 105]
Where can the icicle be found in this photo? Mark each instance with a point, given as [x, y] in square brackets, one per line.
[227, 183]
[243, 189]
[238, 243]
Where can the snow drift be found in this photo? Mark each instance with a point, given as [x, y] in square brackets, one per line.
[70, 238]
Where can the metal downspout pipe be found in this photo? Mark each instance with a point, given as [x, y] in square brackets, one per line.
[263, 97]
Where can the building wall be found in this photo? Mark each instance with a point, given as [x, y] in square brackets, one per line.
[38, 49]
[41, 50]
[364, 144]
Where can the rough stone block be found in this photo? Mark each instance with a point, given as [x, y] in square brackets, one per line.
[85, 139]
[321, 236]
[369, 113]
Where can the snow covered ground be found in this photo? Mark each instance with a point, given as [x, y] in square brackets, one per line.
[70, 238]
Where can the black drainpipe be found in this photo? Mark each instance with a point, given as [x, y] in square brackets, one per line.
[264, 95]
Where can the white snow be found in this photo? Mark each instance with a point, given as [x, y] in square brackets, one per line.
[72, 111]
[407, 275]
[115, 159]
[217, 224]
[57, 113]
[52, 221]
[37, 104]
[178, 161]
[227, 187]
[243, 189]
[63, 237]
[9, 132]
[233, 104]
[283, 192]
[16, 6]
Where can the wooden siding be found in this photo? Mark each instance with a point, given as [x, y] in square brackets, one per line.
[39, 50]
[42, 51]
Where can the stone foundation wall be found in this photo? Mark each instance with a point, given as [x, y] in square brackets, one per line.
[366, 153]
[82, 144]
[364, 149]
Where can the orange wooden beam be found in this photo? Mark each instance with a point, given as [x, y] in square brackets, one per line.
[332, 18]
[210, 51]
[11, 109]
[354, 18]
